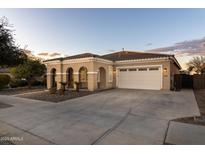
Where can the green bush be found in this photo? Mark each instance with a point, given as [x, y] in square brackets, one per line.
[18, 83]
[37, 83]
[22, 83]
[13, 83]
[4, 80]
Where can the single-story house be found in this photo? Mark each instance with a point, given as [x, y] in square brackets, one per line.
[123, 69]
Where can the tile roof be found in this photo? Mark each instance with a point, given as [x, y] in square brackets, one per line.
[130, 55]
[83, 55]
[121, 55]
[116, 56]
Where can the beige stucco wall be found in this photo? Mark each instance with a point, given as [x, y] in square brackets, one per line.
[76, 67]
[97, 65]
[93, 66]
[57, 66]
[174, 70]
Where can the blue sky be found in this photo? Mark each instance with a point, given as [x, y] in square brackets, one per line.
[100, 31]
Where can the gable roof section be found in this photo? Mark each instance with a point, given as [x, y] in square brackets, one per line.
[130, 55]
[83, 55]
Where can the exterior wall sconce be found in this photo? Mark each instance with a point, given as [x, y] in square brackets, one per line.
[165, 70]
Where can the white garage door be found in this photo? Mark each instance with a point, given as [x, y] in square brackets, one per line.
[140, 78]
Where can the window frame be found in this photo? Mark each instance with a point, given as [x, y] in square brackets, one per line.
[142, 69]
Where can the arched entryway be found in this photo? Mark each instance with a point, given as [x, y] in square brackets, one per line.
[53, 78]
[83, 77]
[101, 78]
[69, 78]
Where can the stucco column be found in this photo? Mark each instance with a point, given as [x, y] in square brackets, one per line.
[59, 76]
[58, 80]
[48, 80]
[75, 78]
[64, 74]
[115, 77]
[166, 76]
[92, 81]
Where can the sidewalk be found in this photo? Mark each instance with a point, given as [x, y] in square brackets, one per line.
[185, 134]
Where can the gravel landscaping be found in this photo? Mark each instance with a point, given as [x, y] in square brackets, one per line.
[46, 96]
[200, 98]
[20, 90]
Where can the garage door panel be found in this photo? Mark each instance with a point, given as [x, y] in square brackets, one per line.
[140, 79]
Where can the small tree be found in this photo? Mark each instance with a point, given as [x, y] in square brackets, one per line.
[29, 70]
[197, 64]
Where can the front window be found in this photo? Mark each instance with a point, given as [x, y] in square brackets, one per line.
[142, 69]
[154, 69]
[123, 70]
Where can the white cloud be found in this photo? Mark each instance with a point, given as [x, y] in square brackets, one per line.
[188, 48]
[49, 55]
[184, 51]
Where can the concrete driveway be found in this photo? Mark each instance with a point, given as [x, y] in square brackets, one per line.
[118, 116]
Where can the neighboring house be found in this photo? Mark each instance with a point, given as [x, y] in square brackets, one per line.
[5, 71]
[124, 69]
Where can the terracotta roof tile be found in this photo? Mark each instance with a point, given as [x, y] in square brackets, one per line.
[130, 55]
[84, 55]
[116, 56]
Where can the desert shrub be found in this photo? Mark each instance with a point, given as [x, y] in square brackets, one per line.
[4, 80]
[13, 83]
[22, 83]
